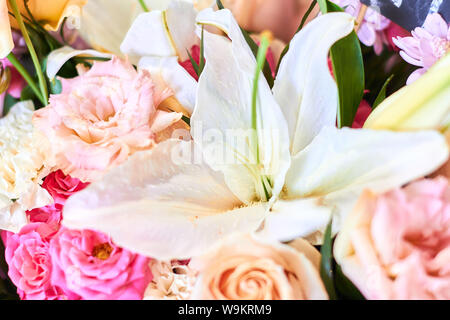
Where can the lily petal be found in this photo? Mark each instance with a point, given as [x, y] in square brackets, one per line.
[348, 160]
[290, 219]
[148, 37]
[104, 23]
[174, 210]
[167, 72]
[57, 58]
[339, 164]
[158, 40]
[162, 33]
[6, 40]
[304, 87]
[224, 110]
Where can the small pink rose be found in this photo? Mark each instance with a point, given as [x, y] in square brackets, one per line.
[61, 187]
[29, 262]
[50, 215]
[89, 266]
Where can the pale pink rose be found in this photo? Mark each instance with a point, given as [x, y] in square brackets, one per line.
[426, 46]
[397, 245]
[61, 187]
[101, 118]
[87, 265]
[29, 262]
[244, 267]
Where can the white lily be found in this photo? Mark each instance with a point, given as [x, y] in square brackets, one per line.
[104, 23]
[179, 210]
[158, 40]
[160, 208]
[57, 58]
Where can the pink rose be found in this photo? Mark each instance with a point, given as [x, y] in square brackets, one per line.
[101, 118]
[30, 263]
[61, 187]
[397, 245]
[50, 215]
[88, 265]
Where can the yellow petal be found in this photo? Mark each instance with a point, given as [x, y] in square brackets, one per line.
[52, 12]
[6, 41]
[425, 104]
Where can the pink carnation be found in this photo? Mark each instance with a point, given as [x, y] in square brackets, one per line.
[30, 263]
[88, 265]
[101, 118]
[426, 46]
[61, 187]
[397, 245]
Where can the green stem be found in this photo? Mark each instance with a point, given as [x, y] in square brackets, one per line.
[34, 57]
[24, 73]
[143, 5]
[260, 60]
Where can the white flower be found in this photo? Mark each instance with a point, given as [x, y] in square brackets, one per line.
[21, 167]
[306, 171]
[171, 281]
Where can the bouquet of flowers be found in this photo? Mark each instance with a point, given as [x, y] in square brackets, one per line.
[222, 150]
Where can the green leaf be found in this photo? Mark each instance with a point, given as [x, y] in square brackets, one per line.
[382, 95]
[220, 5]
[345, 288]
[8, 103]
[202, 53]
[348, 69]
[326, 263]
[194, 64]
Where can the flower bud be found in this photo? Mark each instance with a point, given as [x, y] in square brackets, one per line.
[425, 104]
[5, 78]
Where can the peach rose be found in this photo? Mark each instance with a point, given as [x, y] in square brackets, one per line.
[397, 245]
[244, 267]
[282, 17]
[101, 118]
